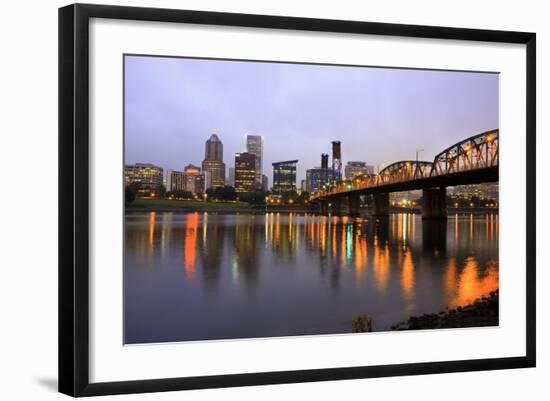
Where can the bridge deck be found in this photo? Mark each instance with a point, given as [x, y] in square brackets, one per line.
[476, 176]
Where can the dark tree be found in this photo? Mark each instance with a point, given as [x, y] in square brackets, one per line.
[226, 193]
[253, 198]
[129, 196]
[180, 194]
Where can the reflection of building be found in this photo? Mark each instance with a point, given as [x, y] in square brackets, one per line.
[282, 231]
[255, 145]
[190, 247]
[245, 172]
[246, 250]
[212, 238]
[284, 176]
[354, 169]
[213, 161]
[337, 160]
[147, 176]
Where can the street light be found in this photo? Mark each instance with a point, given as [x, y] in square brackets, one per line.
[417, 152]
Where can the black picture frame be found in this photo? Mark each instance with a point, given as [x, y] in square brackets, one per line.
[74, 198]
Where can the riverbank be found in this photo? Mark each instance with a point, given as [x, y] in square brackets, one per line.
[482, 312]
[191, 205]
[175, 205]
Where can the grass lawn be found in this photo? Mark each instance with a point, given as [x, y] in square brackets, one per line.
[187, 204]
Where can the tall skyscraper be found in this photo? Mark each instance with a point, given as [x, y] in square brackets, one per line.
[213, 161]
[337, 160]
[245, 172]
[284, 176]
[255, 145]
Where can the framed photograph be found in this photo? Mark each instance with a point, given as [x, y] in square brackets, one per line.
[251, 199]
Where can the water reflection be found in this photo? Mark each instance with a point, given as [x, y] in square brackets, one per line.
[285, 274]
[190, 245]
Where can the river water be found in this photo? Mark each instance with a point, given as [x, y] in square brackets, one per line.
[204, 276]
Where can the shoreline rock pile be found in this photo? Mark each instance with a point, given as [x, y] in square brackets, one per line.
[482, 312]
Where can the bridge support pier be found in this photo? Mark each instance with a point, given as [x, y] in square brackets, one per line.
[434, 203]
[434, 237]
[382, 205]
[338, 205]
[323, 206]
[354, 204]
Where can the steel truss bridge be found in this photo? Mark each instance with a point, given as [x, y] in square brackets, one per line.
[471, 161]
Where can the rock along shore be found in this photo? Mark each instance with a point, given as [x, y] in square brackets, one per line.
[482, 312]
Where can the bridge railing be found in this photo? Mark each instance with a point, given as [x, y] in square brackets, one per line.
[478, 151]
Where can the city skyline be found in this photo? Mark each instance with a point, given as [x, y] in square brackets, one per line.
[413, 247]
[390, 111]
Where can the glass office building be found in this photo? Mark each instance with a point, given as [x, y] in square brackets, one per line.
[245, 172]
[284, 176]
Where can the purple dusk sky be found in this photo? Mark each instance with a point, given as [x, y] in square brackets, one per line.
[380, 115]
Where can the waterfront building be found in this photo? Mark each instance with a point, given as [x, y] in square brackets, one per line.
[337, 160]
[175, 181]
[192, 174]
[284, 176]
[213, 161]
[354, 169]
[245, 172]
[192, 169]
[490, 190]
[265, 183]
[481, 191]
[189, 180]
[200, 182]
[317, 178]
[147, 176]
[231, 176]
[255, 145]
